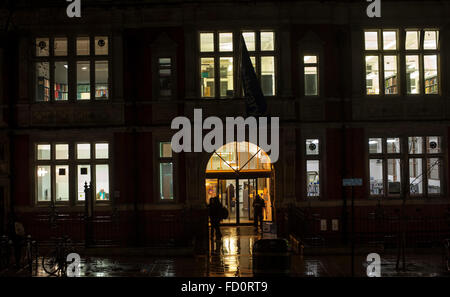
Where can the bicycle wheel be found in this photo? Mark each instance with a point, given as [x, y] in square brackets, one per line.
[50, 262]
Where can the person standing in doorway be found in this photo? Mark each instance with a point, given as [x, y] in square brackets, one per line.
[231, 198]
[258, 206]
[214, 212]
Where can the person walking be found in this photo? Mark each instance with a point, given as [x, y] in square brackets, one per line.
[214, 212]
[258, 206]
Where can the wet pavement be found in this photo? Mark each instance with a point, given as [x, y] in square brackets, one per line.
[232, 257]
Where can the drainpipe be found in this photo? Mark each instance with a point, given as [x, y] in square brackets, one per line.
[341, 53]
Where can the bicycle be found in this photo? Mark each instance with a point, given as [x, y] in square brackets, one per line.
[447, 254]
[56, 260]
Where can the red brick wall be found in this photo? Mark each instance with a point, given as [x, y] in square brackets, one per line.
[21, 183]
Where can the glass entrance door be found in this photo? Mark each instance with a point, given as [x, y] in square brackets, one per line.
[247, 192]
[238, 199]
[227, 188]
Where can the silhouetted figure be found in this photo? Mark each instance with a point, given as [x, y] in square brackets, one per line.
[215, 216]
[258, 206]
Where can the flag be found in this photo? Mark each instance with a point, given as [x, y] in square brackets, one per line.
[255, 102]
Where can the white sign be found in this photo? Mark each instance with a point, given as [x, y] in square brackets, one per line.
[373, 265]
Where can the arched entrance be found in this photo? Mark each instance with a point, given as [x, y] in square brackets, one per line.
[236, 173]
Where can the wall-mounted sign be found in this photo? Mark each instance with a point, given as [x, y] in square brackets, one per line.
[351, 182]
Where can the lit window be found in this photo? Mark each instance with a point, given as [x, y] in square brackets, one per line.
[375, 146]
[381, 62]
[433, 145]
[425, 165]
[394, 176]
[372, 75]
[430, 40]
[389, 40]
[53, 172]
[422, 159]
[218, 56]
[412, 40]
[62, 183]
[312, 153]
[61, 151]
[102, 182]
[371, 40]
[206, 42]
[384, 154]
[422, 62]
[311, 75]
[390, 75]
[101, 80]
[83, 151]
[42, 47]
[312, 146]
[83, 179]
[267, 41]
[412, 74]
[83, 46]
[61, 86]
[393, 145]
[207, 77]
[376, 177]
[43, 151]
[101, 151]
[57, 67]
[268, 75]
[226, 77]
[434, 175]
[83, 80]
[101, 45]
[430, 63]
[225, 42]
[421, 68]
[42, 81]
[165, 171]
[165, 77]
[43, 183]
[60, 46]
[250, 42]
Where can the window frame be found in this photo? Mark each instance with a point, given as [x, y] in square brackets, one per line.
[216, 54]
[401, 52]
[318, 157]
[380, 52]
[161, 160]
[172, 77]
[404, 156]
[425, 156]
[72, 58]
[72, 162]
[317, 65]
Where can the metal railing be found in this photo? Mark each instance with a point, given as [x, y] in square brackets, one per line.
[372, 230]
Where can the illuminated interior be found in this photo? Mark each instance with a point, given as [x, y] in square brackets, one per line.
[239, 157]
[237, 192]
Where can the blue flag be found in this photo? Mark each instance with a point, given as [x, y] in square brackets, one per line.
[255, 102]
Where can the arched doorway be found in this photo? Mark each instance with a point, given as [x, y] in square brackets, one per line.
[235, 173]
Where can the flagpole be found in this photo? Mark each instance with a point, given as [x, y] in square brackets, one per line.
[239, 70]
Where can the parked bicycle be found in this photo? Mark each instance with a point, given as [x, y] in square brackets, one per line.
[56, 259]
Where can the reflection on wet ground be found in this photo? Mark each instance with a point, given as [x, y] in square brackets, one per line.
[232, 257]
